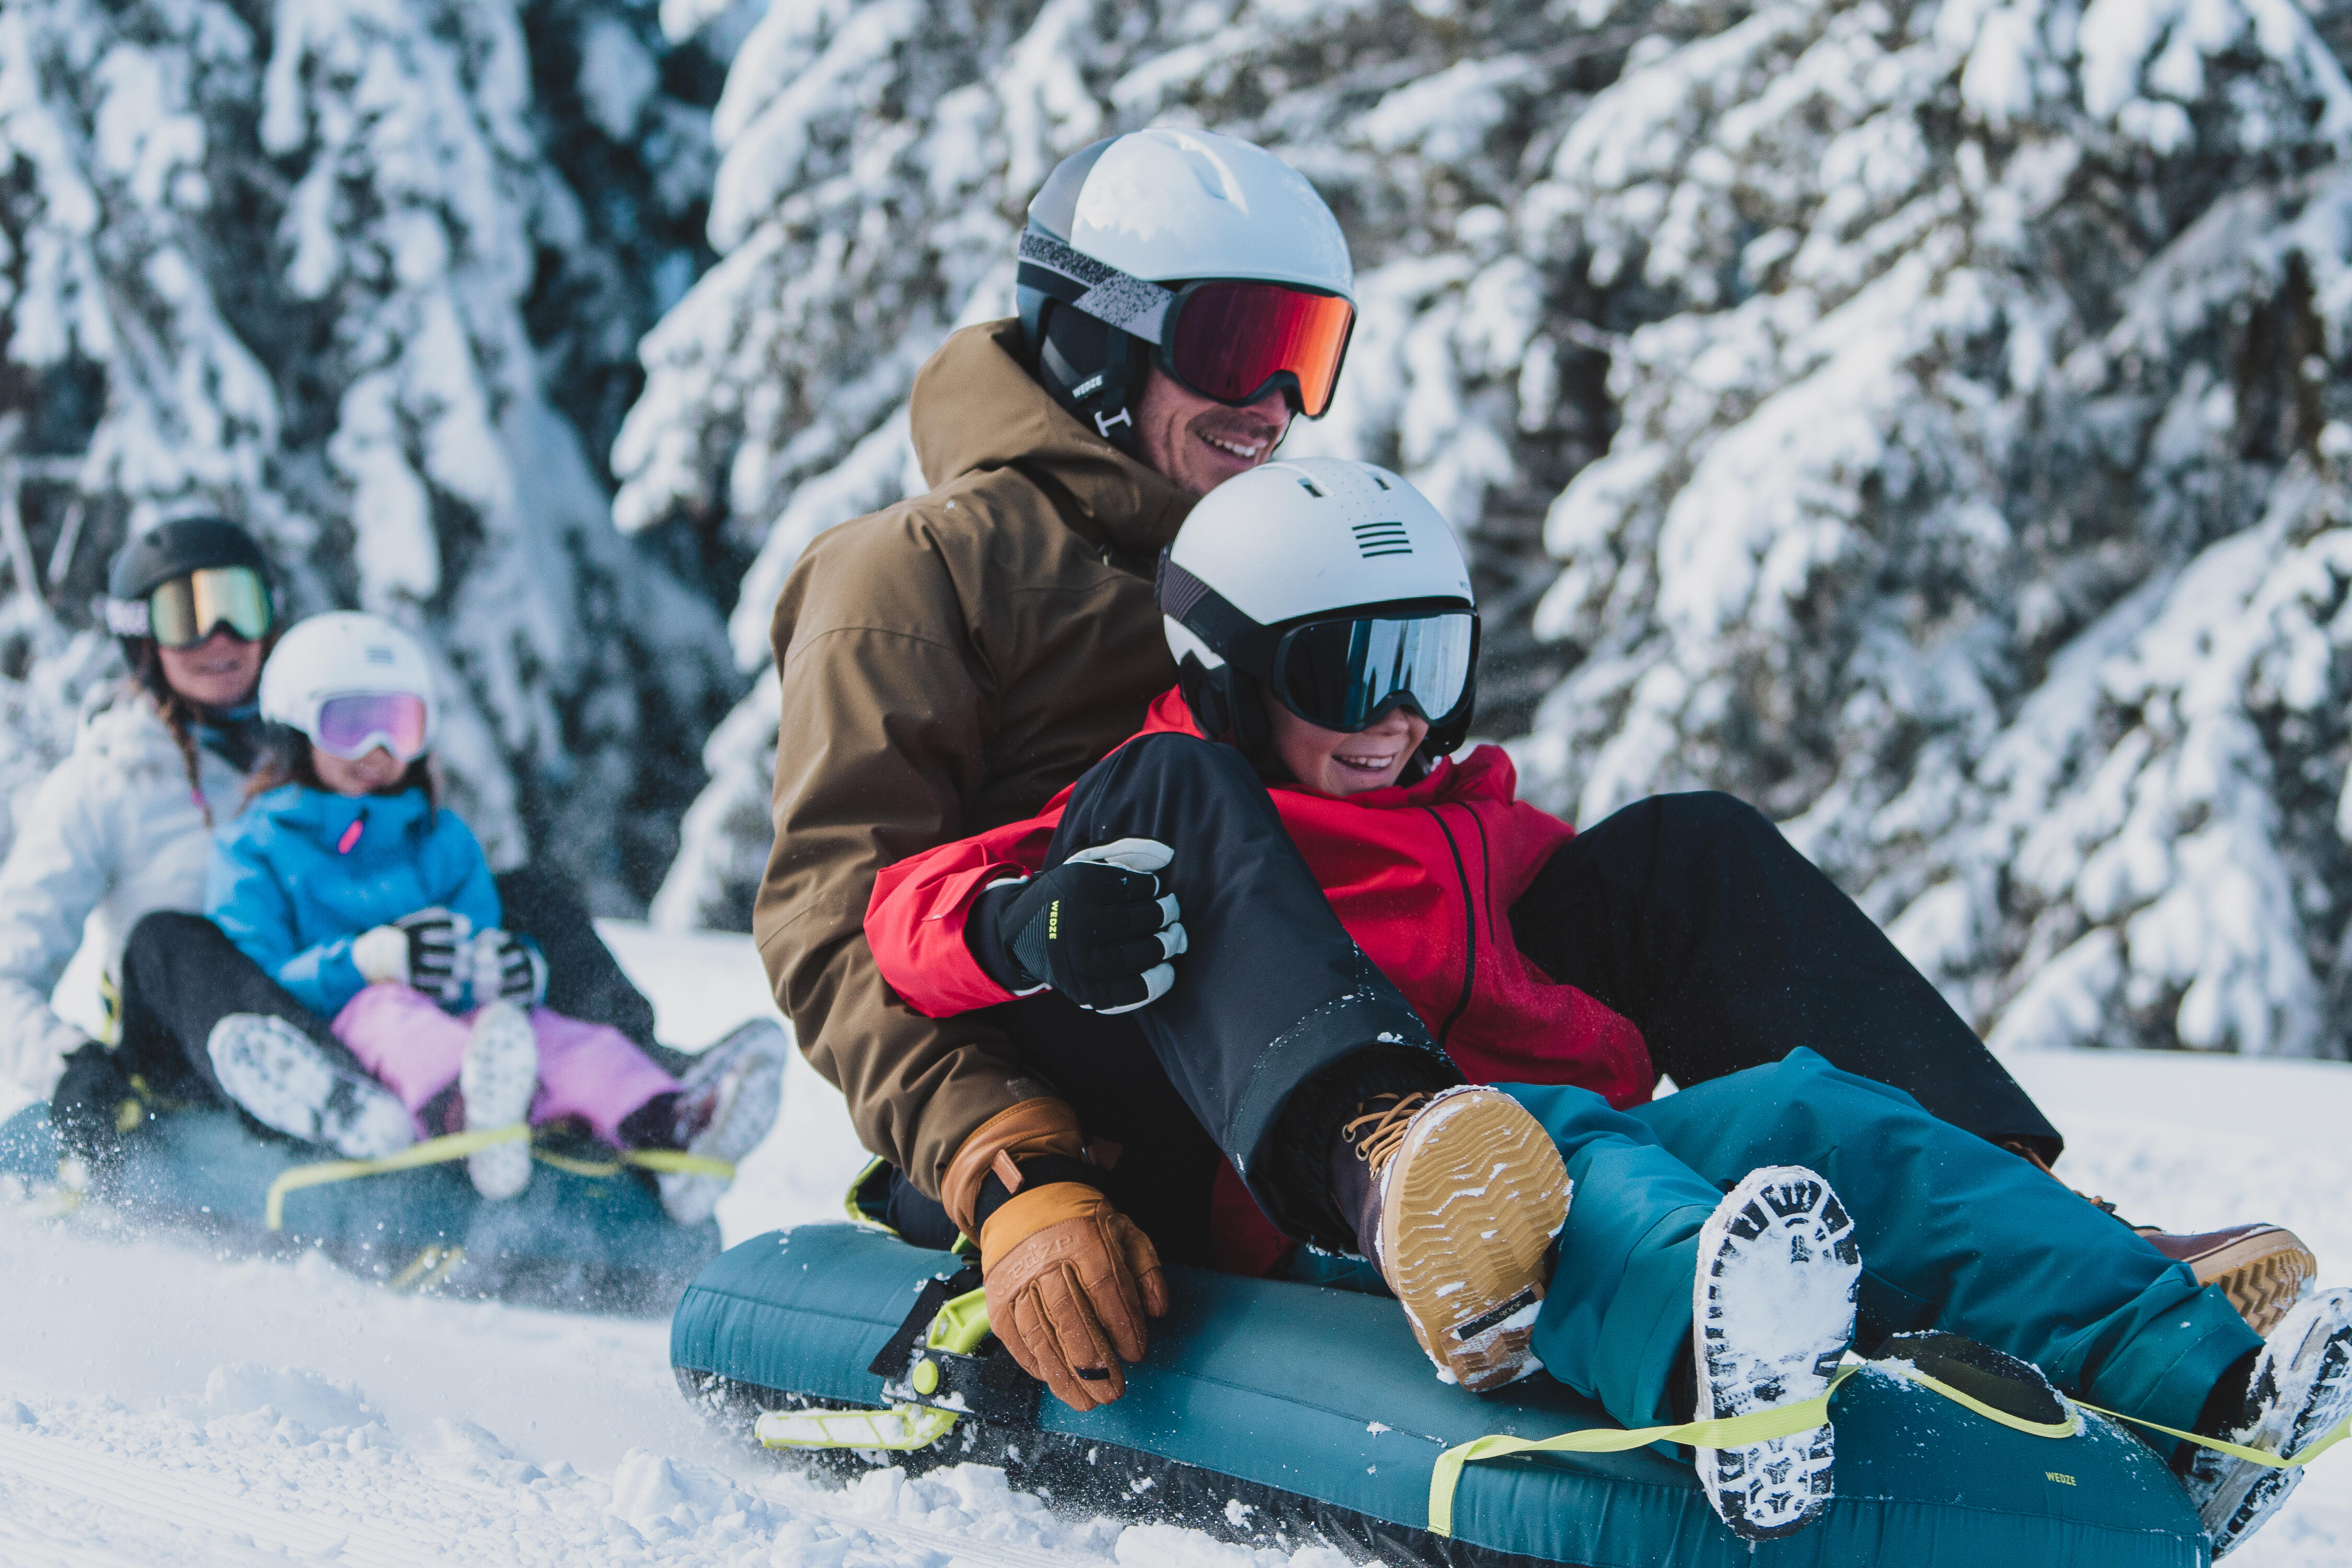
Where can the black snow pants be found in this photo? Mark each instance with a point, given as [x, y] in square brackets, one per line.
[181, 976]
[1689, 914]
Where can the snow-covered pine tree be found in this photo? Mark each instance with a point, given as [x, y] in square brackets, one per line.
[876, 163]
[278, 266]
[1979, 507]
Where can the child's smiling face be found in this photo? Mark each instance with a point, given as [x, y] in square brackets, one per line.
[1337, 762]
[377, 771]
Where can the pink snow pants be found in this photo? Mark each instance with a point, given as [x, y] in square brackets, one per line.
[588, 1071]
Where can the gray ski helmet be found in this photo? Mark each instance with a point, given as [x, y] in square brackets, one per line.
[1121, 224]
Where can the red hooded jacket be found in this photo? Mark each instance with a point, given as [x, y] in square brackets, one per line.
[1422, 875]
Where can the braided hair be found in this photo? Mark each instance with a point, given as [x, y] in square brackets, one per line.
[179, 716]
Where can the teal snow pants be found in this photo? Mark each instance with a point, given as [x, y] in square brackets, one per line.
[1955, 1235]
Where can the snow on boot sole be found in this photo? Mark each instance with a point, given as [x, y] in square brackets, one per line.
[288, 1082]
[497, 1077]
[2301, 1387]
[750, 1096]
[1772, 1315]
[1469, 1205]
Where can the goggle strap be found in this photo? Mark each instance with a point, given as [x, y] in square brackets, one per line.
[1214, 619]
[129, 618]
[1094, 288]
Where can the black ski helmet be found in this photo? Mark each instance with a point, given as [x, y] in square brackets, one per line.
[1164, 207]
[148, 561]
[176, 548]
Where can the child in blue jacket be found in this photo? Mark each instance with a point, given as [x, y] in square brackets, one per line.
[374, 905]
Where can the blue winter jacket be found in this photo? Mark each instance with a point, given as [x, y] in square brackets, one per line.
[292, 884]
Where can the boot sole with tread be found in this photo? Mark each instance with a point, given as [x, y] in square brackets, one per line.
[1469, 1206]
[1773, 1310]
[497, 1077]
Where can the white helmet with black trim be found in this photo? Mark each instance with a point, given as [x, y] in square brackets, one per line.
[1203, 255]
[352, 682]
[1335, 584]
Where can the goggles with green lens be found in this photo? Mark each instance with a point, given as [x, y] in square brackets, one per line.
[187, 609]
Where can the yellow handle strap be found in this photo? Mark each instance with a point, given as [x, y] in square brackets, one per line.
[2318, 1446]
[676, 1160]
[900, 1429]
[1729, 1433]
[1791, 1419]
[458, 1145]
[432, 1152]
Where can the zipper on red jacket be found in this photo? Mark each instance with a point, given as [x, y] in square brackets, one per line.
[1469, 930]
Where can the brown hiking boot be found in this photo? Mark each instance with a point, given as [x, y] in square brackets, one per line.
[2263, 1268]
[1456, 1197]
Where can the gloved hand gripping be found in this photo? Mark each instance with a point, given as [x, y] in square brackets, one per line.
[1099, 927]
[421, 949]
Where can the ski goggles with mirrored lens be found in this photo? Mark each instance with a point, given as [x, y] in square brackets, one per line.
[1232, 341]
[1237, 342]
[353, 724]
[186, 610]
[1344, 674]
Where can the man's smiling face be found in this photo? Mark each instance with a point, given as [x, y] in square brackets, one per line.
[1198, 442]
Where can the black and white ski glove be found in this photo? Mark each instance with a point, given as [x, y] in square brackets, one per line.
[1099, 927]
[421, 949]
[507, 968]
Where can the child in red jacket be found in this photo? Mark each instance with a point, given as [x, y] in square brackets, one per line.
[1363, 923]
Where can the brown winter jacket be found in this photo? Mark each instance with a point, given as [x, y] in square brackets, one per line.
[948, 665]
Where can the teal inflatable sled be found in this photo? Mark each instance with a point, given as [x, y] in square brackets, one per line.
[1282, 1414]
[585, 1235]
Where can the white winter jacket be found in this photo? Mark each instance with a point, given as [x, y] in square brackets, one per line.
[115, 832]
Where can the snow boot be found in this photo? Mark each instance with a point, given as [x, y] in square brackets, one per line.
[497, 1077]
[2263, 1268]
[2301, 1386]
[290, 1083]
[726, 1104]
[1457, 1196]
[1772, 1314]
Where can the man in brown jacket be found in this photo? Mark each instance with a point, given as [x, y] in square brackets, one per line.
[948, 664]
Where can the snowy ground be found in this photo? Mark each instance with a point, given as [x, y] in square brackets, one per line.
[162, 1406]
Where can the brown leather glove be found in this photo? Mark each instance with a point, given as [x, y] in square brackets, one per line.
[1070, 1280]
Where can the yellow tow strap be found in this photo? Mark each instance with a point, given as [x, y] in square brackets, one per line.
[900, 1429]
[1730, 1433]
[1791, 1419]
[2318, 1446]
[458, 1145]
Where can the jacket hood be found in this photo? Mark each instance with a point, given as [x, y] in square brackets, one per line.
[1481, 774]
[976, 407]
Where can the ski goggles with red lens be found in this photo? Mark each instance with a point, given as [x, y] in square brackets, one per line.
[1237, 342]
[350, 724]
[186, 610]
[1230, 340]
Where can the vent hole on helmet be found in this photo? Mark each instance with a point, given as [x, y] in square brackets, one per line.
[1379, 481]
[1382, 539]
[1309, 486]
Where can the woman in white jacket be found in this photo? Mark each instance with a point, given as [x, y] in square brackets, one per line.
[117, 840]
[122, 828]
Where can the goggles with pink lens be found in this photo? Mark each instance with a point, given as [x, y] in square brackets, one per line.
[356, 723]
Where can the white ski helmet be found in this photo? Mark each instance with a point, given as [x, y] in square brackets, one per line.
[1260, 292]
[352, 682]
[1336, 584]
